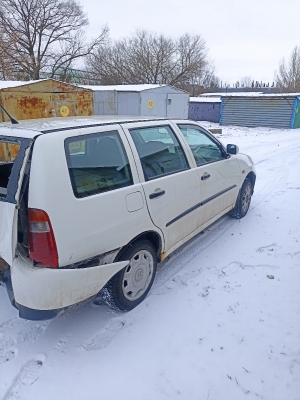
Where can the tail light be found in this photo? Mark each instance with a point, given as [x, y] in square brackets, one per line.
[42, 245]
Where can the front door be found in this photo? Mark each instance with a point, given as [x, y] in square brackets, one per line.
[219, 175]
[170, 185]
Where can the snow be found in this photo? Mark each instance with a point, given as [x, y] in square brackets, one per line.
[122, 88]
[214, 327]
[11, 84]
[250, 94]
[203, 99]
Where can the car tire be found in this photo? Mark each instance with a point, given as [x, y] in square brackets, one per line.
[243, 200]
[130, 286]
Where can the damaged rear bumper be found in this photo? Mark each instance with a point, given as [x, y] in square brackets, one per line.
[43, 293]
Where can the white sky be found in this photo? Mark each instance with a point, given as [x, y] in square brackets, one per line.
[245, 37]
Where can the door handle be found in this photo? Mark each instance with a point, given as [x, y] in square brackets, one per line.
[205, 176]
[157, 194]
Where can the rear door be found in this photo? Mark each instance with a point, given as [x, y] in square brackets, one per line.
[14, 153]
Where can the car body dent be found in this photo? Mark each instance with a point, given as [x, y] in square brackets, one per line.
[51, 288]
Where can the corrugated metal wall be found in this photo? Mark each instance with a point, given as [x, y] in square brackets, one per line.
[268, 111]
[200, 111]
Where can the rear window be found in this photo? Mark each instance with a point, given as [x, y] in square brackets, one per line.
[8, 154]
[97, 163]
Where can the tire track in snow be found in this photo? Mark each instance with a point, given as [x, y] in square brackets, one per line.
[178, 282]
[175, 262]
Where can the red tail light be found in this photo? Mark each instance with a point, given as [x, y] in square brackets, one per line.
[42, 245]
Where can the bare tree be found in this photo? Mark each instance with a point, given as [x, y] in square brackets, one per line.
[38, 36]
[147, 57]
[246, 81]
[288, 75]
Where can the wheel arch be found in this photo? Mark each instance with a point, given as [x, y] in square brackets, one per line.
[152, 237]
[252, 177]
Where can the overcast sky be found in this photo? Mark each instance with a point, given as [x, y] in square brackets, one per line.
[244, 37]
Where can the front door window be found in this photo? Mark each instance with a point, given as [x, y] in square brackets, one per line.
[204, 149]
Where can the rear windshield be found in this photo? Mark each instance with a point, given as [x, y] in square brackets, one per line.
[8, 154]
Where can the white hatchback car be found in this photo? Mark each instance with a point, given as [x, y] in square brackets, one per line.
[94, 203]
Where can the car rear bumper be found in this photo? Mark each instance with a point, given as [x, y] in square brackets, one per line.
[43, 293]
[39, 315]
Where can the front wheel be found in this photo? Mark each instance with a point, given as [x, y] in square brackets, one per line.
[130, 286]
[243, 200]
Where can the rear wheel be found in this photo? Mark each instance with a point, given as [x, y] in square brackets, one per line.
[243, 201]
[130, 286]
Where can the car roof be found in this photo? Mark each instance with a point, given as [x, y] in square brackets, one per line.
[47, 125]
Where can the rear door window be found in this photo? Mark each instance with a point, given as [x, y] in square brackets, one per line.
[159, 151]
[97, 163]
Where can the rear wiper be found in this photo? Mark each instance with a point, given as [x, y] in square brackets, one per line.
[12, 120]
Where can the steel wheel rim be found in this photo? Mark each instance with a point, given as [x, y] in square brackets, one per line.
[138, 275]
[246, 198]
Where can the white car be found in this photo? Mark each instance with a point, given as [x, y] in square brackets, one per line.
[95, 203]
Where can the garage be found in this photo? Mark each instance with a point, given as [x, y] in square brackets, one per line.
[145, 100]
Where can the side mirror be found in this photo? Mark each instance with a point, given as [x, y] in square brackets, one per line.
[232, 149]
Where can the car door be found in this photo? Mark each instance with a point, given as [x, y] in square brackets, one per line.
[14, 153]
[219, 174]
[169, 182]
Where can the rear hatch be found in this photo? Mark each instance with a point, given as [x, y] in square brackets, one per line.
[14, 156]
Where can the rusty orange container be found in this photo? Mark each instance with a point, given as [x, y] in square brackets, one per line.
[45, 98]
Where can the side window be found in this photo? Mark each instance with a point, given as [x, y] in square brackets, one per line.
[97, 163]
[159, 151]
[204, 149]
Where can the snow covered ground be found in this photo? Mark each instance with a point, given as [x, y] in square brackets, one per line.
[215, 326]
